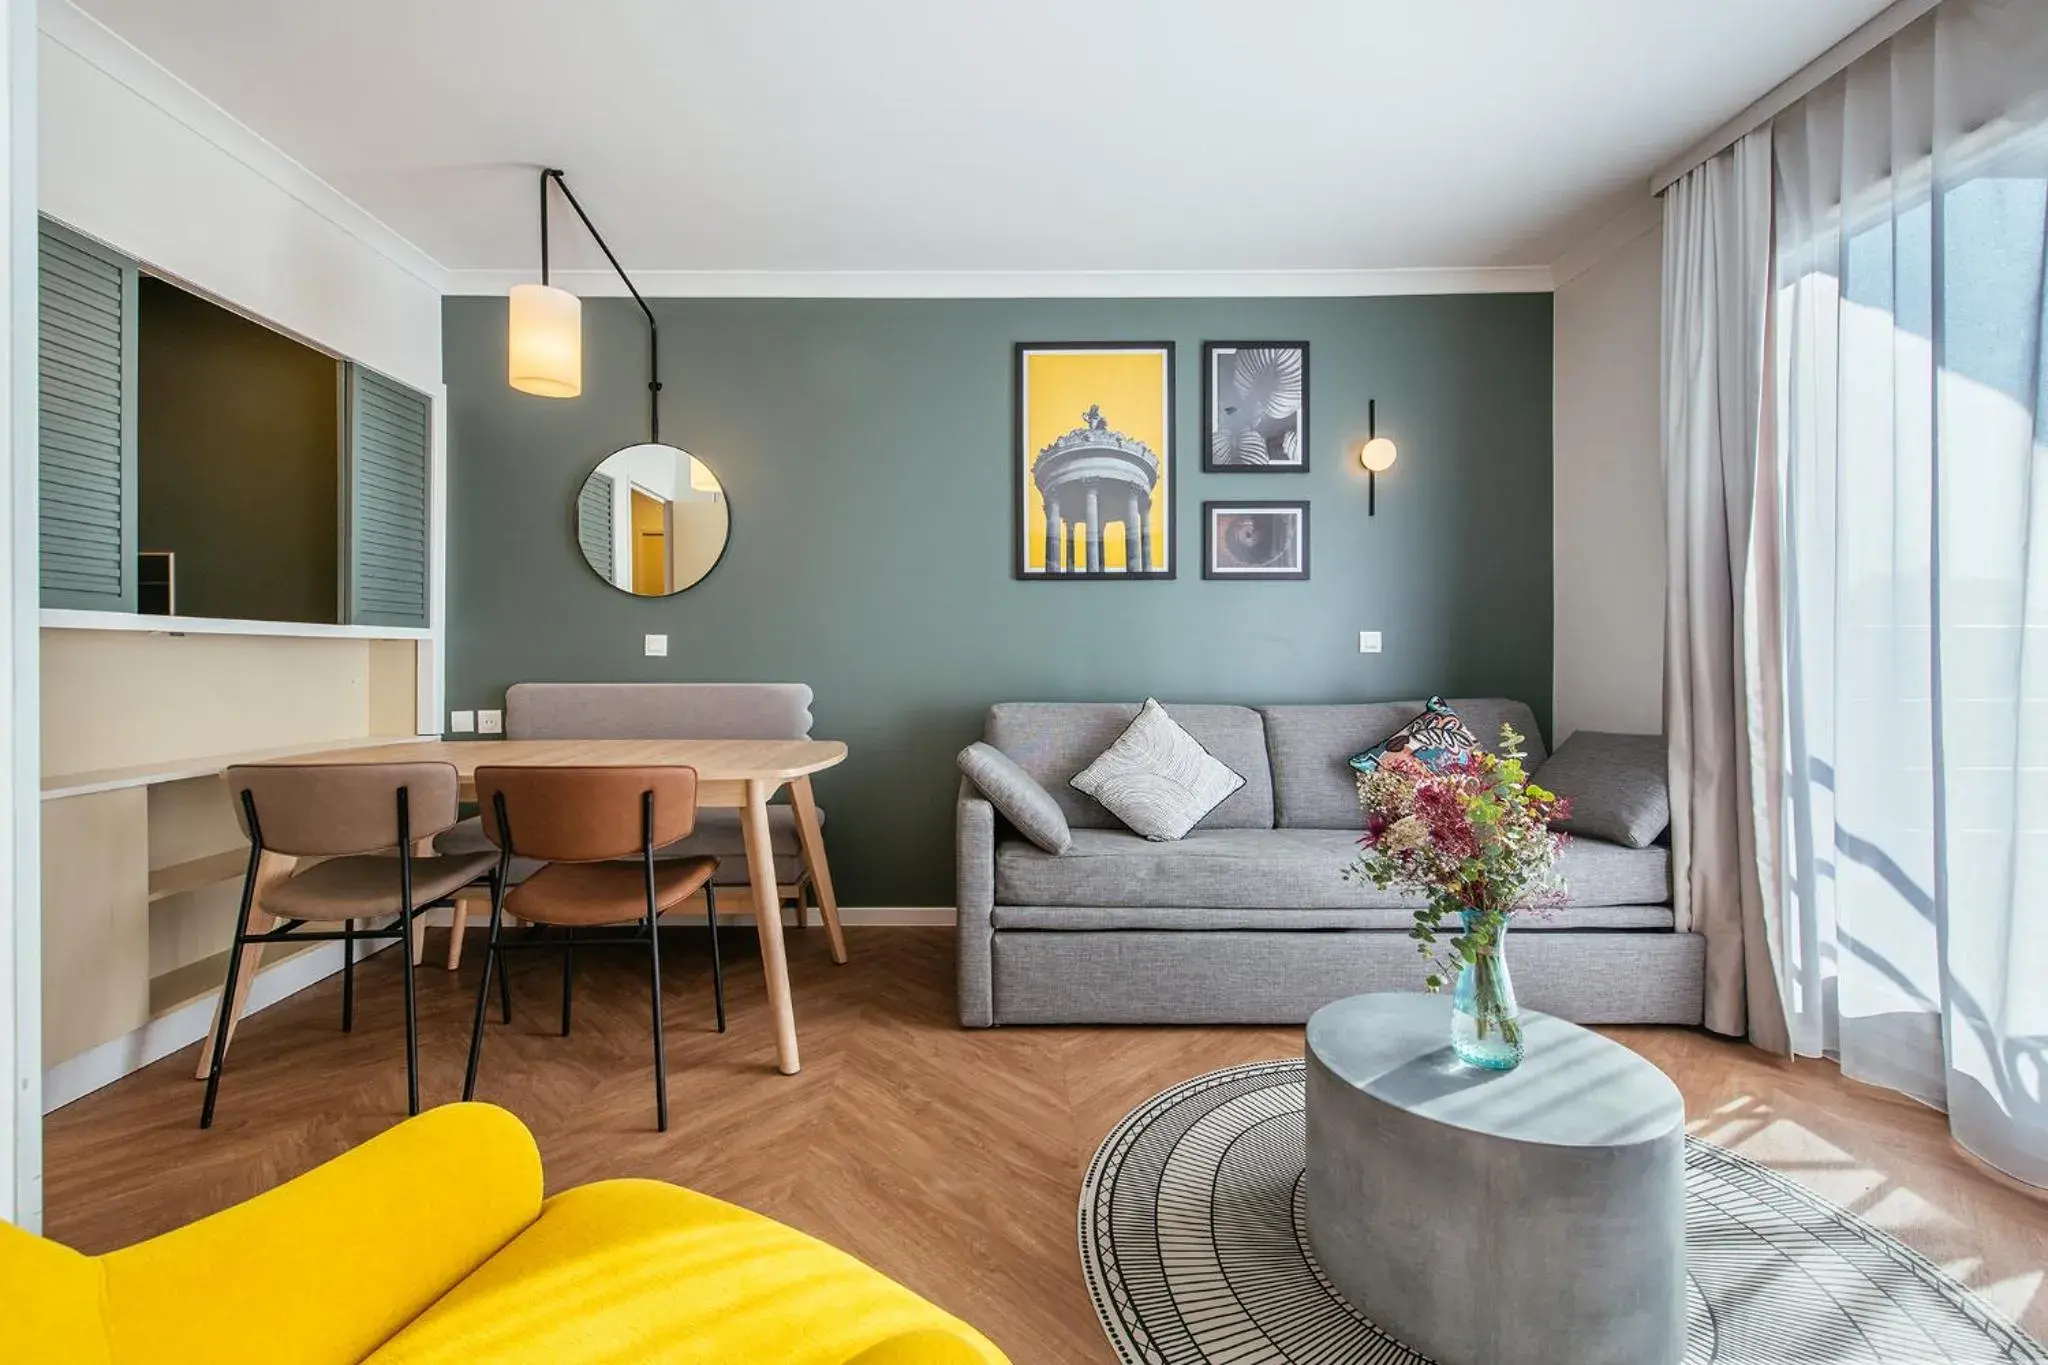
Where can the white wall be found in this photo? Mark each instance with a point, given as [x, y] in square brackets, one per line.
[21, 972]
[1609, 489]
[134, 157]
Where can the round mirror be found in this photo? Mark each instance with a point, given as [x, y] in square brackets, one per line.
[651, 520]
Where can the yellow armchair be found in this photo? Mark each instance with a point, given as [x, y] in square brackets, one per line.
[431, 1245]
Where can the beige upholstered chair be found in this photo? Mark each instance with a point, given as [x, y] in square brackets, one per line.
[582, 825]
[360, 822]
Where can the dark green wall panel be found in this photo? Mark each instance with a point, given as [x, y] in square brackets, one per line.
[240, 461]
[866, 446]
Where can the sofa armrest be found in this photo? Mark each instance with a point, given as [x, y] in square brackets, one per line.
[974, 894]
[329, 1266]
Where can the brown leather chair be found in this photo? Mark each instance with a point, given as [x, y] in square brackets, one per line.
[352, 818]
[578, 822]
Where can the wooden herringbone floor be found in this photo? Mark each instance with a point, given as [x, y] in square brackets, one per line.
[949, 1158]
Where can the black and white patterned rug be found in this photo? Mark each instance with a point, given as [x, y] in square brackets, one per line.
[1195, 1252]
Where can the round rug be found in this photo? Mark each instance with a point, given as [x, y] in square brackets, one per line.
[1194, 1248]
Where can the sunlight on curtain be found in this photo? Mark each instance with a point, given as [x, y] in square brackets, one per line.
[1911, 407]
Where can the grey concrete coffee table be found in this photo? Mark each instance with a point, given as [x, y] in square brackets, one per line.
[1526, 1217]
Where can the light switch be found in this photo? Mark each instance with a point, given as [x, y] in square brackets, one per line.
[490, 722]
[462, 722]
[1368, 642]
[657, 646]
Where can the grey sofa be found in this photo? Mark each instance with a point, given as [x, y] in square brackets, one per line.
[1248, 919]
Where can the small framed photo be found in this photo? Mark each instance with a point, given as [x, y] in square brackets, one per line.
[1255, 540]
[1255, 407]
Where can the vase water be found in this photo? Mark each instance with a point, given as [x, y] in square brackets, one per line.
[1486, 1025]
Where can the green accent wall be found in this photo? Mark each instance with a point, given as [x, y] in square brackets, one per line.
[866, 447]
[238, 461]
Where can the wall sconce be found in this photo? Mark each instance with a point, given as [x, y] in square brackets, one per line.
[1377, 454]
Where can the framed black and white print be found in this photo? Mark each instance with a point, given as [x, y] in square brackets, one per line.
[1255, 540]
[1255, 407]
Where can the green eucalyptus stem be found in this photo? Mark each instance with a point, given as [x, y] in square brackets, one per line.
[1485, 969]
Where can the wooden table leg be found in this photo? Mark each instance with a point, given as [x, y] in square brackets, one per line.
[271, 869]
[812, 837]
[458, 925]
[768, 922]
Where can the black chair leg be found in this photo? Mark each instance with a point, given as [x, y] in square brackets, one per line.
[412, 1019]
[348, 977]
[660, 1041]
[568, 975]
[504, 987]
[493, 958]
[717, 970]
[227, 993]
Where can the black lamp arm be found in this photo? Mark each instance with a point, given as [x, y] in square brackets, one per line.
[653, 330]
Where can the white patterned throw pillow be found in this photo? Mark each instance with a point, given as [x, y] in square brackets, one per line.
[1157, 778]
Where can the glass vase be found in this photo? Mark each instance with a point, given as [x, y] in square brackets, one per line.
[1486, 1025]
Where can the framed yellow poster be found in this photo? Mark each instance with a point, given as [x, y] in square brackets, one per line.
[1094, 475]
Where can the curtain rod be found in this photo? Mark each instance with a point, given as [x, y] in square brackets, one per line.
[1879, 28]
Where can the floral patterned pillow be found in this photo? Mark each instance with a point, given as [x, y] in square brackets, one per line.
[1436, 738]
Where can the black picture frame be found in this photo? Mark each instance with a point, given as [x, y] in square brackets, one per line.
[1022, 460]
[1212, 352]
[1295, 571]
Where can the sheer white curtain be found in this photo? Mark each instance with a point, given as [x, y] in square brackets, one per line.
[1910, 416]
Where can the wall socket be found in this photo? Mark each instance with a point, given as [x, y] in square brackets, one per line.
[657, 646]
[490, 722]
[1368, 642]
[462, 722]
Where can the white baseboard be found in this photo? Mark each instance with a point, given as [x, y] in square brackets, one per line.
[103, 1065]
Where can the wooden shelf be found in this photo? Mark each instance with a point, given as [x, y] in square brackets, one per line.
[59, 785]
[214, 868]
[198, 980]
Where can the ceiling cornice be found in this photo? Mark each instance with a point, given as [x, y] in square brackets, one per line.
[1021, 284]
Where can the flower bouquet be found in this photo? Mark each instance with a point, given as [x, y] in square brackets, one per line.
[1473, 837]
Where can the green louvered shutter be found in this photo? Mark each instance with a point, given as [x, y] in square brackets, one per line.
[388, 428]
[86, 371]
[594, 532]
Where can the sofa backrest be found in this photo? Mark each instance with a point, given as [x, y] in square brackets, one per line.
[1313, 783]
[1054, 740]
[658, 711]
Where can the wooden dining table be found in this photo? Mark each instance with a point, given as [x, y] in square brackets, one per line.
[742, 774]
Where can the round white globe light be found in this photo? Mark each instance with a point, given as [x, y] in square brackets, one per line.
[1378, 455]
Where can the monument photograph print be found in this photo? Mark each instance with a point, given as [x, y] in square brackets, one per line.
[1093, 466]
[1255, 407]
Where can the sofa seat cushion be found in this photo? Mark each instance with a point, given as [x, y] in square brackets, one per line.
[637, 1272]
[1272, 869]
[717, 836]
[1385, 918]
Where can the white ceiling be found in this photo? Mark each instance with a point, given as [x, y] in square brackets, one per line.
[990, 135]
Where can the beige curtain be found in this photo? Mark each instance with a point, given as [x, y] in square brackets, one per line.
[1721, 711]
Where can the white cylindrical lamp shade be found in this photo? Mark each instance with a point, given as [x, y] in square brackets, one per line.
[1377, 455]
[544, 347]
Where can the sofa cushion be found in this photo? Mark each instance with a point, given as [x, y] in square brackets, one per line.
[1287, 869]
[1618, 786]
[1054, 740]
[1017, 795]
[636, 1270]
[1313, 784]
[1384, 918]
[1436, 739]
[1156, 778]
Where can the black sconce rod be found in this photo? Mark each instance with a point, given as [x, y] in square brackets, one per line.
[653, 331]
[1372, 478]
